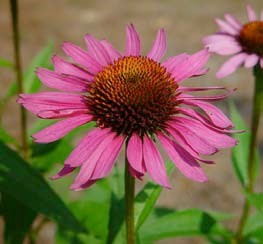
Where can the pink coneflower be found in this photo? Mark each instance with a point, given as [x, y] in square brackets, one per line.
[133, 99]
[245, 42]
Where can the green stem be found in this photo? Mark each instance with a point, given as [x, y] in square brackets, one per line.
[129, 203]
[257, 109]
[18, 71]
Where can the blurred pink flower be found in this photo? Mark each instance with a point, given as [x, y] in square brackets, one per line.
[131, 98]
[245, 42]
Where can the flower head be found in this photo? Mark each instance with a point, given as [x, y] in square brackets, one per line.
[244, 42]
[131, 98]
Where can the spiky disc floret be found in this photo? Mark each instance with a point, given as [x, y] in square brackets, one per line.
[134, 94]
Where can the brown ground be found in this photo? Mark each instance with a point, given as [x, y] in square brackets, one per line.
[186, 22]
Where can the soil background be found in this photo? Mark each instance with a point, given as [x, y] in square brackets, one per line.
[186, 23]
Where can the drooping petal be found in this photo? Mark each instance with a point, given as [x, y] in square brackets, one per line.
[218, 38]
[225, 47]
[133, 45]
[135, 173]
[113, 53]
[61, 82]
[64, 67]
[226, 27]
[154, 163]
[63, 172]
[61, 128]
[107, 159]
[97, 50]
[86, 146]
[87, 167]
[172, 63]
[83, 186]
[231, 65]
[251, 60]
[182, 160]
[134, 153]
[251, 14]
[82, 57]
[261, 15]
[159, 47]
[261, 63]
[233, 21]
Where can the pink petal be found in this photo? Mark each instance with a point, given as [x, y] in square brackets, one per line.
[83, 186]
[87, 146]
[134, 153]
[218, 38]
[62, 82]
[159, 47]
[191, 65]
[87, 167]
[217, 117]
[251, 60]
[61, 128]
[133, 45]
[261, 15]
[195, 141]
[52, 101]
[193, 89]
[224, 47]
[61, 113]
[154, 163]
[261, 63]
[135, 174]
[182, 160]
[97, 50]
[233, 21]
[172, 63]
[251, 13]
[82, 57]
[64, 67]
[231, 65]
[113, 53]
[107, 159]
[63, 172]
[226, 27]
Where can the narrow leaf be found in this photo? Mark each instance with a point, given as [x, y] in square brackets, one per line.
[26, 185]
[6, 63]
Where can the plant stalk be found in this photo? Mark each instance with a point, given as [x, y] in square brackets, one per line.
[129, 203]
[19, 74]
[257, 109]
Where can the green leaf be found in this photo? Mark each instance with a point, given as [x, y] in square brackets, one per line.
[6, 63]
[255, 199]
[146, 199]
[188, 222]
[6, 137]
[254, 224]
[240, 153]
[26, 185]
[31, 82]
[18, 219]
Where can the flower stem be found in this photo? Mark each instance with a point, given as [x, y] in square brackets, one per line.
[18, 71]
[257, 109]
[129, 203]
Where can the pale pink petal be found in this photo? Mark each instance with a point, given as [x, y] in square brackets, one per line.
[231, 65]
[171, 63]
[261, 63]
[192, 89]
[86, 146]
[251, 14]
[87, 167]
[195, 141]
[97, 50]
[134, 153]
[133, 45]
[154, 163]
[61, 81]
[191, 65]
[225, 47]
[63, 172]
[251, 60]
[217, 117]
[218, 38]
[82, 57]
[107, 159]
[214, 138]
[159, 47]
[61, 128]
[64, 67]
[182, 160]
[113, 53]
[233, 21]
[261, 15]
[226, 27]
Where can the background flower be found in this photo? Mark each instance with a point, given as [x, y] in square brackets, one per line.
[243, 41]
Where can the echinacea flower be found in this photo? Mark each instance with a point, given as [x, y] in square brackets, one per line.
[133, 99]
[243, 41]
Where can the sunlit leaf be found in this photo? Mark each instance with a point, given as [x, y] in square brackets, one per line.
[255, 199]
